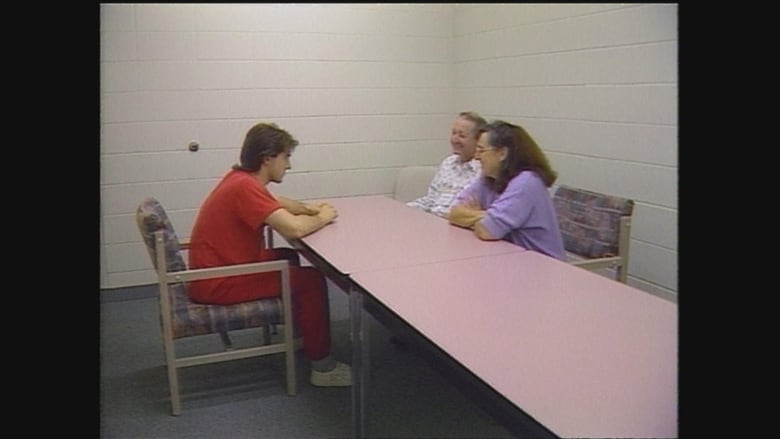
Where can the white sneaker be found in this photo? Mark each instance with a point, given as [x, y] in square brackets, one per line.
[340, 376]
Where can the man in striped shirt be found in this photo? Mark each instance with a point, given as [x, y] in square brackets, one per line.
[456, 170]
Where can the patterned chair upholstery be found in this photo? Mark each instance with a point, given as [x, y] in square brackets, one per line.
[595, 228]
[180, 317]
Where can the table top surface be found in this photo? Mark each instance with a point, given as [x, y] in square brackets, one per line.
[580, 353]
[376, 232]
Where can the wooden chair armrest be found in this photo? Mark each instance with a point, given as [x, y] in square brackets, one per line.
[229, 270]
[608, 262]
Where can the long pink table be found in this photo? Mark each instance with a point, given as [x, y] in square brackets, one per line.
[580, 353]
[376, 232]
[379, 233]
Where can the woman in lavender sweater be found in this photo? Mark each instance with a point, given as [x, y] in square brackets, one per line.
[510, 199]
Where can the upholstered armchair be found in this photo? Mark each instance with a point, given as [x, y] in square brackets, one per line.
[180, 317]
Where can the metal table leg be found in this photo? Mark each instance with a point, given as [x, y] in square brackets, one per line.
[359, 337]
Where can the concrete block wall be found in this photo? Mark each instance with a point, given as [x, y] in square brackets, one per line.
[369, 88]
[596, 86]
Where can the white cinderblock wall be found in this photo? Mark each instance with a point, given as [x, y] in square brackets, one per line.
[596, 86]
[365, 88]
[369, 88]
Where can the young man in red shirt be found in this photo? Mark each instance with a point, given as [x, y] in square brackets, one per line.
[227, 231]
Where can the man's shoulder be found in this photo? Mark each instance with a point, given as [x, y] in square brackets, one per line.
[240, 178]
[453, 161]
[239, 184]
[449, 160]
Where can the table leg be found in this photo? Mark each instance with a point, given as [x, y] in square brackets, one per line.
[358, 335]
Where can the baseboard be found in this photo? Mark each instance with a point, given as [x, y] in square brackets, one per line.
[128, 293]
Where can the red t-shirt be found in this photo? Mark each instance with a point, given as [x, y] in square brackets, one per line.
[227, 232]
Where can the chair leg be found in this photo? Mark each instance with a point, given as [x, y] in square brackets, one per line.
[621, 273]
[173, 384]
[267, 334]
[226, 340]
[289, 361]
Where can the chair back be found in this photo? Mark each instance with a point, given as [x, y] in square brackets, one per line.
[412, 182]
[188, 318]
[151, 218]
[590, 221]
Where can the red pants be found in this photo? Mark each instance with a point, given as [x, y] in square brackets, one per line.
[311, 309]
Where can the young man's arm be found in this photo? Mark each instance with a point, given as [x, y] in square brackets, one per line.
[292, 226]
[296, 207]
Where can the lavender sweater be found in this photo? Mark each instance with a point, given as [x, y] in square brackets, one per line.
[523, 214]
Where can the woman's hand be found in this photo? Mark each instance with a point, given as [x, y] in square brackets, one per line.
[466, 214]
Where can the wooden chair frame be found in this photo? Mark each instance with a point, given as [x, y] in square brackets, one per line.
[175, 362]
[575, 202]
[619, 262]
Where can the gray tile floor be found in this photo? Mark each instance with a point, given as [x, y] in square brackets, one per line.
[246, 398]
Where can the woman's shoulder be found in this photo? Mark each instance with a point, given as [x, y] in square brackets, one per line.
[529, 179]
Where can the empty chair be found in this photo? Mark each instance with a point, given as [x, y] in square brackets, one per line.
[413, 181]
[596, 229]
[180, 317]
